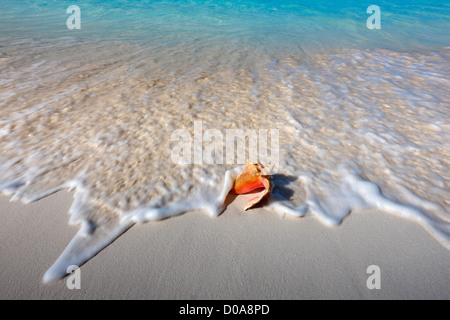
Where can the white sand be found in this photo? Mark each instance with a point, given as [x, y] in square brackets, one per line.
[251, 255]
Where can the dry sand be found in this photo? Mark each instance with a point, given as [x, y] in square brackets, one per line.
[239, 255]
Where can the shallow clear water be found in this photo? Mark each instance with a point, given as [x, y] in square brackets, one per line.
[363, 115]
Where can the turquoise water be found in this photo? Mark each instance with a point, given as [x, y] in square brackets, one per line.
[362, 116]
[306, 24]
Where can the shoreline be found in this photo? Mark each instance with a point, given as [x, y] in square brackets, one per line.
[238, 255]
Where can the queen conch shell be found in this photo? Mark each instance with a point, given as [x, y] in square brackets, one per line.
[254, 176]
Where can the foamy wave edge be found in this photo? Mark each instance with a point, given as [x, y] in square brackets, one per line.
[355, 194]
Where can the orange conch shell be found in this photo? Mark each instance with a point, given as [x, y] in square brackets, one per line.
[254, 176]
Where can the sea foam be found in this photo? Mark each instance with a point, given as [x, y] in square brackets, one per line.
[357, 129]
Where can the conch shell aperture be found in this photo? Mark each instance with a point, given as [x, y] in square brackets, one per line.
[254, 176]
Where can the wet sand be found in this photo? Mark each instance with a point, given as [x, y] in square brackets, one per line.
[238, 255]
